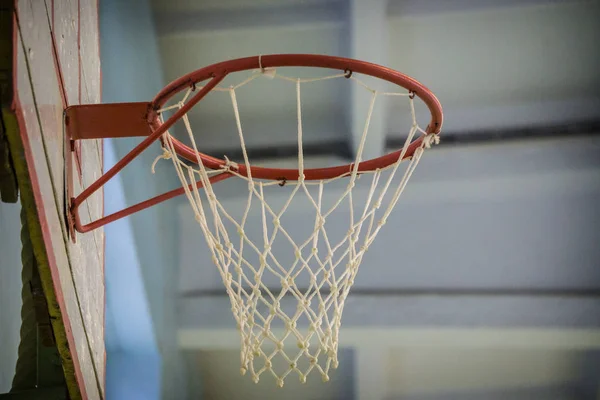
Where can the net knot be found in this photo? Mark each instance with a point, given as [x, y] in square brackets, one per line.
[166, 155]
[291, 325]
[431, 139]
[268, 72]
[230, 165]
[320, 222]
[287, 282]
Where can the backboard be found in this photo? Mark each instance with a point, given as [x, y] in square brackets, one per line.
[57, 64]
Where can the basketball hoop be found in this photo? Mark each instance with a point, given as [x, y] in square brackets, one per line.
[245, 263]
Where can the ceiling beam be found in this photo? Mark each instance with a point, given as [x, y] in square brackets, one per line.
[480, 338]
[369, 42]
[419, 7]
[196, 21]
[444, 312]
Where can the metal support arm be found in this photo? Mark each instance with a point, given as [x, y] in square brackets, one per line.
[100, 121]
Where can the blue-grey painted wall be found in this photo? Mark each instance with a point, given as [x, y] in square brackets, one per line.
[132, 376]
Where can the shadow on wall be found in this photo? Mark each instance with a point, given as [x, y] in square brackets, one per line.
[10, 291]
[133, 361]
[138, 309]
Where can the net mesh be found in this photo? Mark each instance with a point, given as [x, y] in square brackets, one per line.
[288, 308]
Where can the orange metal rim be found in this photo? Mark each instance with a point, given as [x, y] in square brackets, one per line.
[220, 70]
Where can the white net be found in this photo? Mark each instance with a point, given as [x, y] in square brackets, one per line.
[288, 307]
